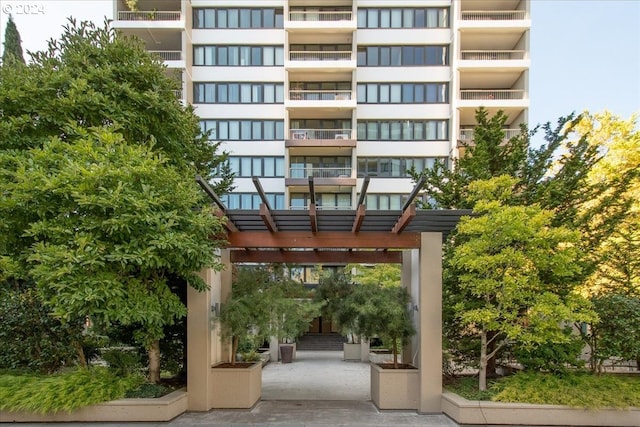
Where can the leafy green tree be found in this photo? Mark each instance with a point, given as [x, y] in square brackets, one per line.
[383, 274]
[382, 312]
[111, 223]
[335, 290]
[93, 76]
[12, 44]
[516, 272]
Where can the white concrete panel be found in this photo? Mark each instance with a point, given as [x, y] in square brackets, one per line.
[240, 111]
[389, 185]
[403, 74]
[404, 111]
[403, 37]
[405, 148]
[254, 148]
[238, 37]
[237, 74]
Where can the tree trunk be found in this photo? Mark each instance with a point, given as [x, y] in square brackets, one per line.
[235, 341]
[395, 353]
[483, 361]
[153, 352]
[491, 362]
[80, 352]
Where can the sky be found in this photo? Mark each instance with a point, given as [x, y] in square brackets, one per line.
[585, 54]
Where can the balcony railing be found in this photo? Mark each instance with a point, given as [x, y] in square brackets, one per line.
[320, 208]
[491, 94]
[303, 15]
[150, 15]
[491, 55]
[493, 15]
[320, 172]
[325, 134]
[168, 55]
[305, 55]
[467, 134]
[320, 95]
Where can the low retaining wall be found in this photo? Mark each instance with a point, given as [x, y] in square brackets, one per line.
[163, 408]
[476, 412]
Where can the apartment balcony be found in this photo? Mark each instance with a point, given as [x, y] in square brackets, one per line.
[318, 61]
[171, 58]
[512, 101]
[302, 21]
[466, 135]
[318, 138]
[321, 99]
[153, 19]
[321, 176]
[494, 19]
[494, 60]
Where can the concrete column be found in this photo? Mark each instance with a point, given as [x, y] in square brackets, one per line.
[430, 317]
[274, 349]
[225, 293]
[364, 350]
[199, 340]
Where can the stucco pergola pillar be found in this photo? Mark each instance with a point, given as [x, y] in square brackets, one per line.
[203, 343]
[430, 322]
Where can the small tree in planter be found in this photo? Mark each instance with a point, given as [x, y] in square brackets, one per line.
[334, 291]
[245, 313]
[385, 314]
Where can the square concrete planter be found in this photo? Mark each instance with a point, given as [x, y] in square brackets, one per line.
[239, 387]
[160, 409]
[394, 388]
[351, 351]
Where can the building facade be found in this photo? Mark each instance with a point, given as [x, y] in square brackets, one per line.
[338, 89]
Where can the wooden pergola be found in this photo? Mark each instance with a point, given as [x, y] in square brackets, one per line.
[317, 236]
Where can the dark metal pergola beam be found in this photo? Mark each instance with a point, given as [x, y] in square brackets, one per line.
[414, 193]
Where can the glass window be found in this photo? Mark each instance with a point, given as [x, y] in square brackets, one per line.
[362, 18]
[372, 131]
[234, 93]
[372, 94]
[233, 20]
[256, 130]
[385, 133]
[279, 130]
[419, 18]
[418, 131]
[256, 167]
[396, 93]
[384, 94]
[279, 93]
[385, 56]
[269, 93]
[279, 23]
[432, 18]
[222, 56]
[256, 18]
[233, 55]
[209, 18]
[407, 18]
[385, 18]
[407, 93]
[396, 56]
[396, 18]
[234, 130]
[245, 130]
[279, 167]
[269, 130]
[245, 55]
[256, 93]
[372, 18]
[245, 166]
[279, 55]
[407, 55]
[222, 18]
[268, 54]
[396, 131]
[223, 130]
[362, 94]
[223, 93]
[418, 93]
[198, 56]
[256, 56]
[372, 56]
[362, 131]
[234, 165]
[362, 57]
[245, 18]
[407, 130]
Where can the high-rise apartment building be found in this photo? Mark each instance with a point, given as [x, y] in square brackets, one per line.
[339, 89]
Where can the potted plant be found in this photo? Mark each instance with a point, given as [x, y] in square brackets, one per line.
[290, 314]
[244, 316]
[385, 314]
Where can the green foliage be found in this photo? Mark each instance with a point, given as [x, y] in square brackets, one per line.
[122, 362]
[381, 274]
[577, 389]
[63, 392]
[31, 337]
[616, 333]
[148, 390]
[573, 389]
[12, 52]
[554, 357]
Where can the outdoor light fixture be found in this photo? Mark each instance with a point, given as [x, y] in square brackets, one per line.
[215, 308]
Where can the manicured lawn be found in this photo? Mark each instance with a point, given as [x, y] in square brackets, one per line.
[574, 389]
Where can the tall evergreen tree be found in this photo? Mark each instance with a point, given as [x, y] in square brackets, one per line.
[12, 44]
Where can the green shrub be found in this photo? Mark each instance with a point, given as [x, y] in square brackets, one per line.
[148, 390]
[31, 338]
[63, 392]
[582, 390]
[122, 361]
[552, 357]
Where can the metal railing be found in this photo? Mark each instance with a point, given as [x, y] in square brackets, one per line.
[168, 55]
[303, 172]
[493, 15]
[323, 16]
[319, 95]
[491, 55]
[324, 134]
[320, 208]
[491, 94]
[149, 15]
[467, 134]
[307, 55]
